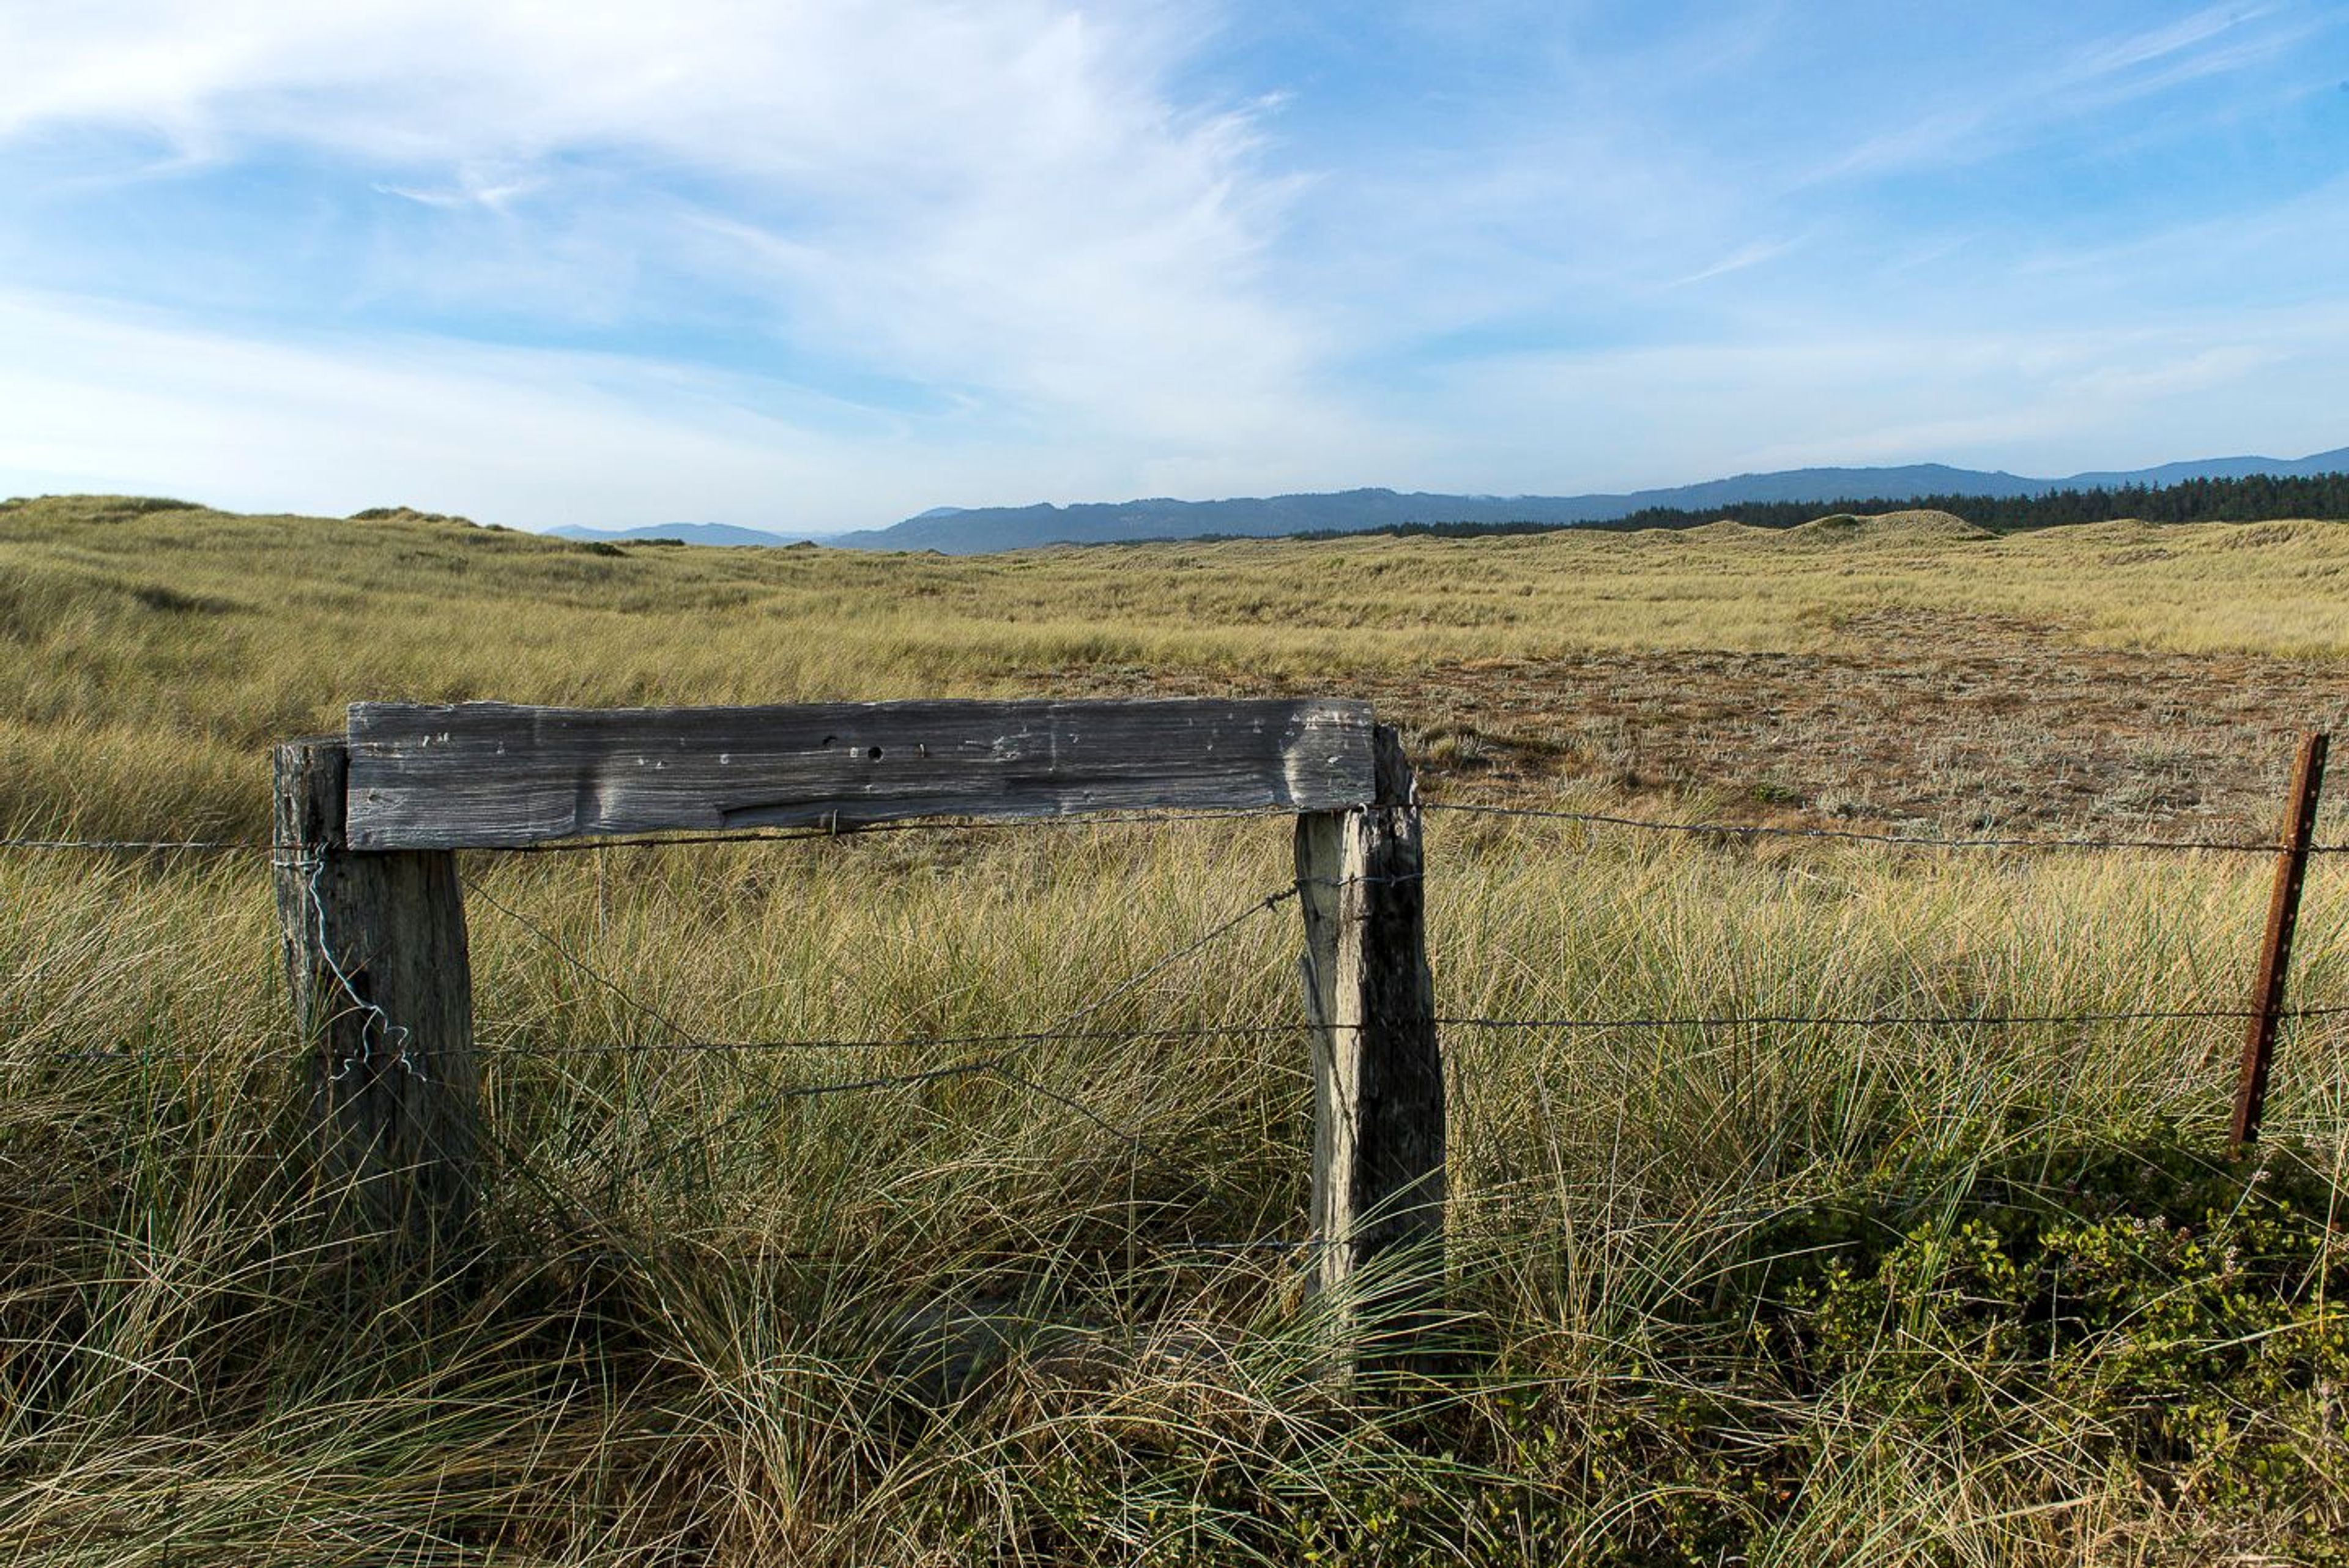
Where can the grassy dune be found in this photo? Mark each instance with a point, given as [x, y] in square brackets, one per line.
[1766, 1294]
[166, 649]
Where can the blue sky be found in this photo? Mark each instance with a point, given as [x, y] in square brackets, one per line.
[825, 265]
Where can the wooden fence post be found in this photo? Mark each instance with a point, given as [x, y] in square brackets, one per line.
[1378, 1069]
[374, 953]
[2275, 948]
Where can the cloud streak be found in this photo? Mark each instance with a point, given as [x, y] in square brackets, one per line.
[999, 201]
[829, 261]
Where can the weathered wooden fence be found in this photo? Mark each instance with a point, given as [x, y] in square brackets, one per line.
[368, 825]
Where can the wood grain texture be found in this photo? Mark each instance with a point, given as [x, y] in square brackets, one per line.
[375, 951]
[485, 774]
[1379, 1095]
[1321, 873]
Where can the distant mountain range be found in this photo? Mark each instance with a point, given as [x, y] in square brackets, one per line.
[690, 533]
[960, 530]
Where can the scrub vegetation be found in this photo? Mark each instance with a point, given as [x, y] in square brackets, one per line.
[1911, 1293]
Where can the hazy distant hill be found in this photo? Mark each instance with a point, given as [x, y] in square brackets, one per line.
[960, 531]
[691, 533]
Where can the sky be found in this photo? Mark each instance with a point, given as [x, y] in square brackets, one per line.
[823, 264]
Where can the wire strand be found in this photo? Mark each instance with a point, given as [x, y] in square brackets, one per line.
[1246, 1030]
[998, 1064]
[140, 844]
[1888, 1020]
[1116, 819]
[473, 887]
[1897, 840]
[884, 1043]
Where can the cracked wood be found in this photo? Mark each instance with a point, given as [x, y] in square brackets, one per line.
[493, 774]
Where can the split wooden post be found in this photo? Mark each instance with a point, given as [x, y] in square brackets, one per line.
[2275, 950]
[375, 953]
[1378, 1069]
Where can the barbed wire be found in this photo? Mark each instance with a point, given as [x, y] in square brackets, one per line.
[1649, 1020]
[1132, 984]
[1893, 1020]
[997, 1063]
[1245, 1030]
[1004, 1044]
[685, 1042]
[472, 887]
[887, 1080]
[885, 1043]
[136, 844]
[1116, 819]
[1897, 840]
[1154, 1246]
[1266, 1031]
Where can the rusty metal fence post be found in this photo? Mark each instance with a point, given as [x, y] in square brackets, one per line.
[2275, 952]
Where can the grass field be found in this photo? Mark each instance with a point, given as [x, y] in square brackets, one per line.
[1906, 1294]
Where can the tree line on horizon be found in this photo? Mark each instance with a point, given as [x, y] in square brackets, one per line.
[2256, 498]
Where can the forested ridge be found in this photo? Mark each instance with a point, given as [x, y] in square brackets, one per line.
[2255, 499]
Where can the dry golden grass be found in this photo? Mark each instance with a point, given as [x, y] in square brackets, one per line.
[2065, 1329]
[162, 647]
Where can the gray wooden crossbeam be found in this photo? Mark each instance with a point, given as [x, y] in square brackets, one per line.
[493, 774]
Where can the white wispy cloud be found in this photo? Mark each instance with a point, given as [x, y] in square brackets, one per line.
[101, 398]
[830, 261]
[1000, 199]
[530, 436]
[1745, 255]
[474, 186]
[1971, 120]
[2046, 402]
[2130, 50]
